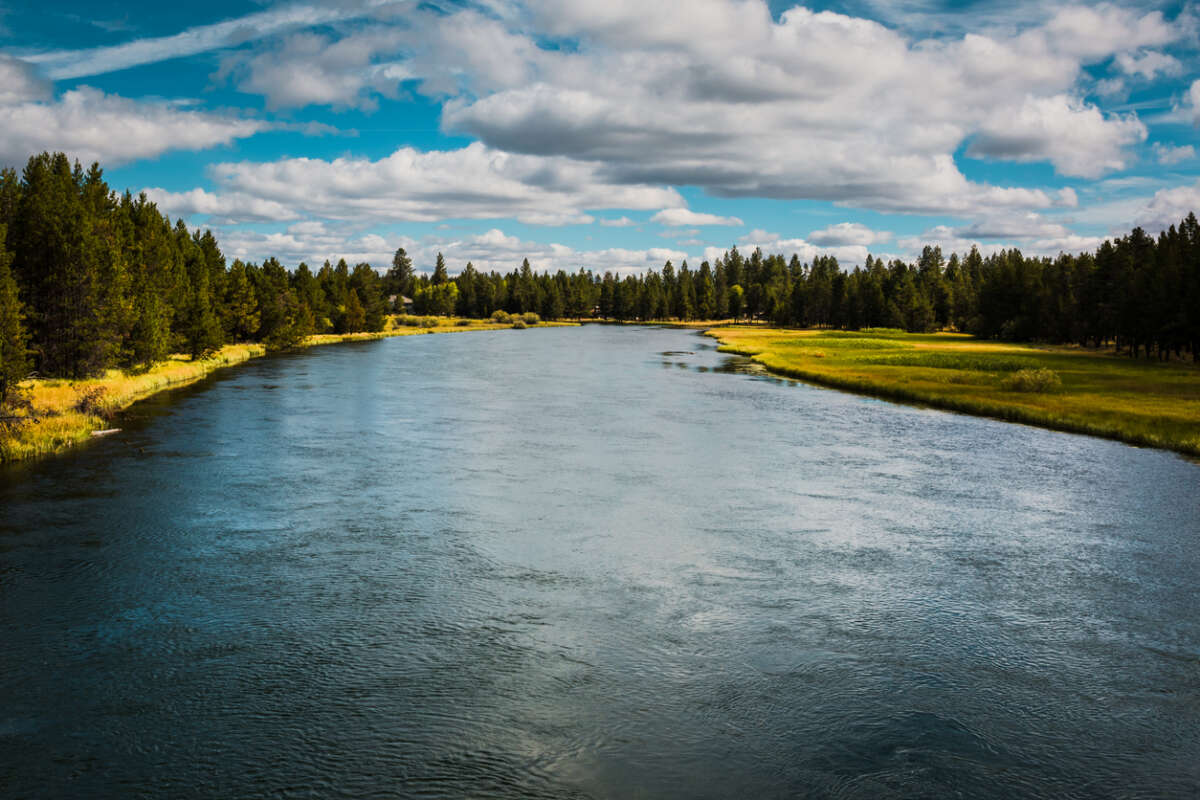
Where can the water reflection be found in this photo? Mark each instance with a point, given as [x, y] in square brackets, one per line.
[597, 562]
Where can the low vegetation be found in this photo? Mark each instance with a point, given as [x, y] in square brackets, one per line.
[1065, 388]
[60, 413]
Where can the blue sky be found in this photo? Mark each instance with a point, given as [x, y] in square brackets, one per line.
[615, 134]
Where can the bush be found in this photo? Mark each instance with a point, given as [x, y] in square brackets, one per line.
[1033, 380]
[92, 402]
[501, 317]
[462, 323]
[430, 322]
[520, 325]
[409, 320]
[530, 318]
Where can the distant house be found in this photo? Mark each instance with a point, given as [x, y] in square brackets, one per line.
[402, 304]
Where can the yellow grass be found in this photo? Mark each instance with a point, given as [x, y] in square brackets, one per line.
[1102, 394]
[67, 412]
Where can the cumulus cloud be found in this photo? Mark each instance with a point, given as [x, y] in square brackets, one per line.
[1074, 136]
[827, 106]
[1169, 155]
[1168, 206]
[848, 233]
[19, 82]
[682, 217]
[234, 207]
[1148, 64]
[90, 125]
[474, 182]
[619, 222]
[311, 69]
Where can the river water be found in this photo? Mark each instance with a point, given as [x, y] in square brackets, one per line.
[591, 562]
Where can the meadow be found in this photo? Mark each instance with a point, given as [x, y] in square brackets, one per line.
[66, 413]
[1063, 388]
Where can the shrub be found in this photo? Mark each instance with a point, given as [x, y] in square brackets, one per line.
[462, 323]
[430, 322]
[1033, 380]
[520, 325]
[530, 318]
[92, 402]
[409, 320]
[501, 316]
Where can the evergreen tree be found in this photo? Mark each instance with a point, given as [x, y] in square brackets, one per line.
[399, 278]
[14, 342]
[440, 275]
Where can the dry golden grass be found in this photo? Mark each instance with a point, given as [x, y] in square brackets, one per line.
[1101, 394]
[66, 412]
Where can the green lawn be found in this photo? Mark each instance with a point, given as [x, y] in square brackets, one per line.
[1101, 394]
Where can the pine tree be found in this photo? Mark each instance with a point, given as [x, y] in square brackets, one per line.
[14, 354]
[355, 317]
[399, 278]
[440, 275]
[201, 327]
[240, 311]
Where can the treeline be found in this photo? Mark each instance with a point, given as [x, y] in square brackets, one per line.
[1139, 293]
[90, 279]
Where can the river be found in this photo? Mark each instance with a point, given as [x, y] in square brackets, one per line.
[591, 562]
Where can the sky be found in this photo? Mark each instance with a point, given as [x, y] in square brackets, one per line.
[618, 134]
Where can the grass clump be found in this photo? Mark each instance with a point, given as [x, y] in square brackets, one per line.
[1038, 380]
[519, 325]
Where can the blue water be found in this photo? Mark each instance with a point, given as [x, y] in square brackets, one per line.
[591, 562]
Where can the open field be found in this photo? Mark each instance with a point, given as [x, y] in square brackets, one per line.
[1100, 394]
[67, 412]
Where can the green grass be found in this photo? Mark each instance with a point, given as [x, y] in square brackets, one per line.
[1070, 389]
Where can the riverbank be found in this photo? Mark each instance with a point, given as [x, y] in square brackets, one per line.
[69, 412]
[1100, 394]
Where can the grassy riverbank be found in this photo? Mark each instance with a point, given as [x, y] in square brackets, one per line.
[1100, 394]
[66, 412]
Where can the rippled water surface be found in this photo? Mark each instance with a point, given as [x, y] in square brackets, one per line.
[593, 562]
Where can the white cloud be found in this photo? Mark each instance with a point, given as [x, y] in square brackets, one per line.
[235, 207]
[90, 125]
[65, 64]
[474, 182]
[1092, 34]
[1148, 64]
[19, 83]
[1168, 206]
[848, 233]
[682, 217]
[619, 222]
[1076, 137]
[827, 106]
[1170, 155]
